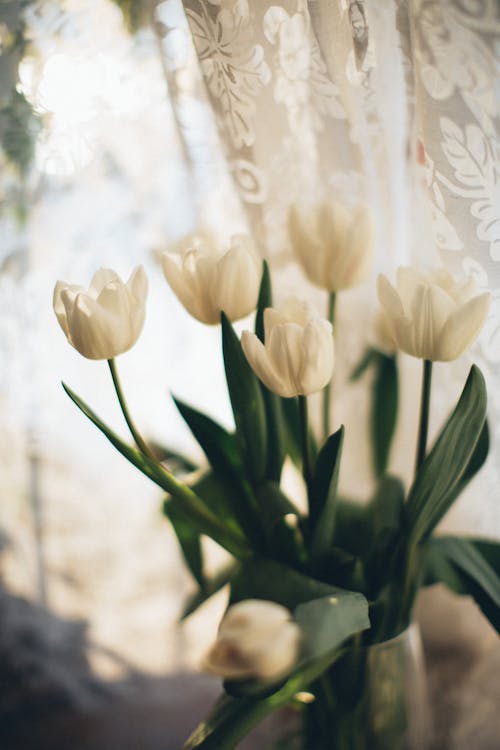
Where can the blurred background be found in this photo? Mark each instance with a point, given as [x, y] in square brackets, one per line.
[124, 126]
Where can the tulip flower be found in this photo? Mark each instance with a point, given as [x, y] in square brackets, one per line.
[107, 319]
[256, 639]
[297, 358]
[432, 317]
[333, 245]
[207, 283]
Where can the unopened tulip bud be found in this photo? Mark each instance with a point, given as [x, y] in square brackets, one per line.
[333, 244]
[432, 316]
[256, 639]
[207, 283]
[107, 319]
[297, 358]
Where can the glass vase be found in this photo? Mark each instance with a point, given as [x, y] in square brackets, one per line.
[374, 698]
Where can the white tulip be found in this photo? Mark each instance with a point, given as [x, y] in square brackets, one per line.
[256, 639]
[333, 245]
[207, 283]
[297, 358]
[432, 316]
[107, 319]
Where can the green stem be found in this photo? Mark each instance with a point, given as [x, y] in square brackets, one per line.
[425, 401]
[139, 440]
[327, 393]
[304, 439]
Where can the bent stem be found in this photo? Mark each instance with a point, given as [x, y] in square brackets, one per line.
[327, 393]
[304, 440]
[425, 401]
[139, 440]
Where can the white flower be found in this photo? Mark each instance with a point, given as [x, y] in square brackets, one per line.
[432, 317]
[297, 358]
[256, 639]
[107, 319]
[333, 245]
[207, 283]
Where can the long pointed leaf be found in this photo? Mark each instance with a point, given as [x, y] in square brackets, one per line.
[194, 508]
[324, 494]
[272, 403]
[445, 467]
[247, 402]
[384, 412]
[476, 575]
[223, 453]
[218, 444]
[189, 541]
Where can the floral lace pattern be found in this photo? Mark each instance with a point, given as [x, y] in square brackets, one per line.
[396, 104]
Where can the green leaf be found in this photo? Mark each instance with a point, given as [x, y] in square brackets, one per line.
[265, 299]
[330, 620]
[222, 451]
[353, 526]
[266, 579]
[276, 429]
[324, 494]
[384, 412]
[445, 467]
[490, 550]
[476, 575]
[177, 463]
[291, 418]
[212, 587]
[192, 506]
[387, 509]
[221, 497]
[189, 540]
[247, 402]
[370, 356]
[218, 444]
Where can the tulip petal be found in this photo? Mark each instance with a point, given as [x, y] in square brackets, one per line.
[462, 327]
[408, 280]
[58, 304]
[389, 299]
[236, 283]
[115, 298]
[101, 278]
[431, 308]
[138, 284]
[317, 363]
[184, 283]
[261, 364]
[286, 355]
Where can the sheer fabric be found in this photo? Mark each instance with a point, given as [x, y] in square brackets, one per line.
[396, 104]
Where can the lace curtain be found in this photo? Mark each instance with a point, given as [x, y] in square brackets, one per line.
[396, 104]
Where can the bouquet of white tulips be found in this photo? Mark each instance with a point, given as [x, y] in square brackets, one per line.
[309, 593]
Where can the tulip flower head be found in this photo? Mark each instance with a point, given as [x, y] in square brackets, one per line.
[107, 319]
[432, 316]
[257, 639]
[333, 245]
[207, 283]
[297, 358]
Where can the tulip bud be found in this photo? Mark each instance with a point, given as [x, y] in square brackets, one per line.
[297, 358]
[432, 317]
[256, 639]
[107, 319]
[333, 245]
[207, 283]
